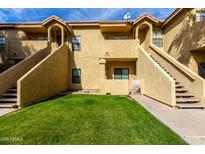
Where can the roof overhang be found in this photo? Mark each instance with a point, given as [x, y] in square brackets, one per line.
[146, 16]
[52, 19]
[120, 59]
[168, 19]
[201, 49]
[119, 27]
[32, 28]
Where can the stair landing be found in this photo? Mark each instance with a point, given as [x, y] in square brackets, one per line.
[190, 106]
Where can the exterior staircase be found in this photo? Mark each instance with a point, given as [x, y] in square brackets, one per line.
[9, 99]
[184, 99]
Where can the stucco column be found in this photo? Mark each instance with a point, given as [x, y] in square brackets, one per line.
[102, 69]
[62, 36]
[136, 33]
[49, 36]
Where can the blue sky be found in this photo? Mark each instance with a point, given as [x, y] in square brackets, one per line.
[78, 14]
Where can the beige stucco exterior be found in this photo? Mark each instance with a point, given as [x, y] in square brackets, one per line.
[52, 74]
[155, 82]
[183, 37]
[183, 41]
[10, 76]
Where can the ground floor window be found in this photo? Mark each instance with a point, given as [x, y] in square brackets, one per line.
[76, 75]
[201, 69]
[121, 73]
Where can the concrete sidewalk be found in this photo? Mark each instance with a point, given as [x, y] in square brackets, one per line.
[4, 111]
[188, 123]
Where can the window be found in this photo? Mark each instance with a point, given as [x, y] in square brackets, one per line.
[157, 38]
[42, 37]
[76, 43]
[200, 15]
[121, 73]
[2, 43]
[201, 69]
[76, 75]
[120, 37]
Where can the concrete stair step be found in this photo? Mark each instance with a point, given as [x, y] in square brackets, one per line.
[10, 95]
[179, 86]
[13, 90]
[8, 100]
[185, 95]
[187, 100]
[181, 90]
[8, 105]
[190, 106]
[15, 86]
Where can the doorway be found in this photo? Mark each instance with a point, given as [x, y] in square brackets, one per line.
[58, 41]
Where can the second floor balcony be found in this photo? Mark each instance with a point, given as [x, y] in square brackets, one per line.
[125, 48]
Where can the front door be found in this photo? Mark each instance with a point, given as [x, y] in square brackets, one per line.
[201, 69]
[58, 41]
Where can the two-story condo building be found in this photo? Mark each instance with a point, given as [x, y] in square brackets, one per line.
[164, 60]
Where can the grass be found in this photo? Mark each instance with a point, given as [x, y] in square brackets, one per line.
[85, 119]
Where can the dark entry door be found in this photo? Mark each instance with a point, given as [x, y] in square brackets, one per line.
[58, 40]
[201, 69]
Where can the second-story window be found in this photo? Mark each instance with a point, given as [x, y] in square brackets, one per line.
[2, 43]
[42, 37]
[200, 15]
[120, 37]
[76, 43]
[157, 38]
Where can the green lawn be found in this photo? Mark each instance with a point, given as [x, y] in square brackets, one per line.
[85, 119]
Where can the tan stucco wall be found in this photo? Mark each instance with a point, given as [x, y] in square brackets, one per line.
[131, 65]
[9, 77]
[23, 49]
[18, 46]
[114, 87]
[155, 82]
[189, 79]
[119, 48]
[144, 36]
[93, 47]
[46, 79]
[197, 57]
[183, 35]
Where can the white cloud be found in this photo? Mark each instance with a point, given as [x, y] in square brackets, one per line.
[17, 11]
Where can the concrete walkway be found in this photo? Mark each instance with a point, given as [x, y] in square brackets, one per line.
[4, 111]
[188, 123]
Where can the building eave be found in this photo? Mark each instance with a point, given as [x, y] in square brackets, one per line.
[171, 16]
[148, 16]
